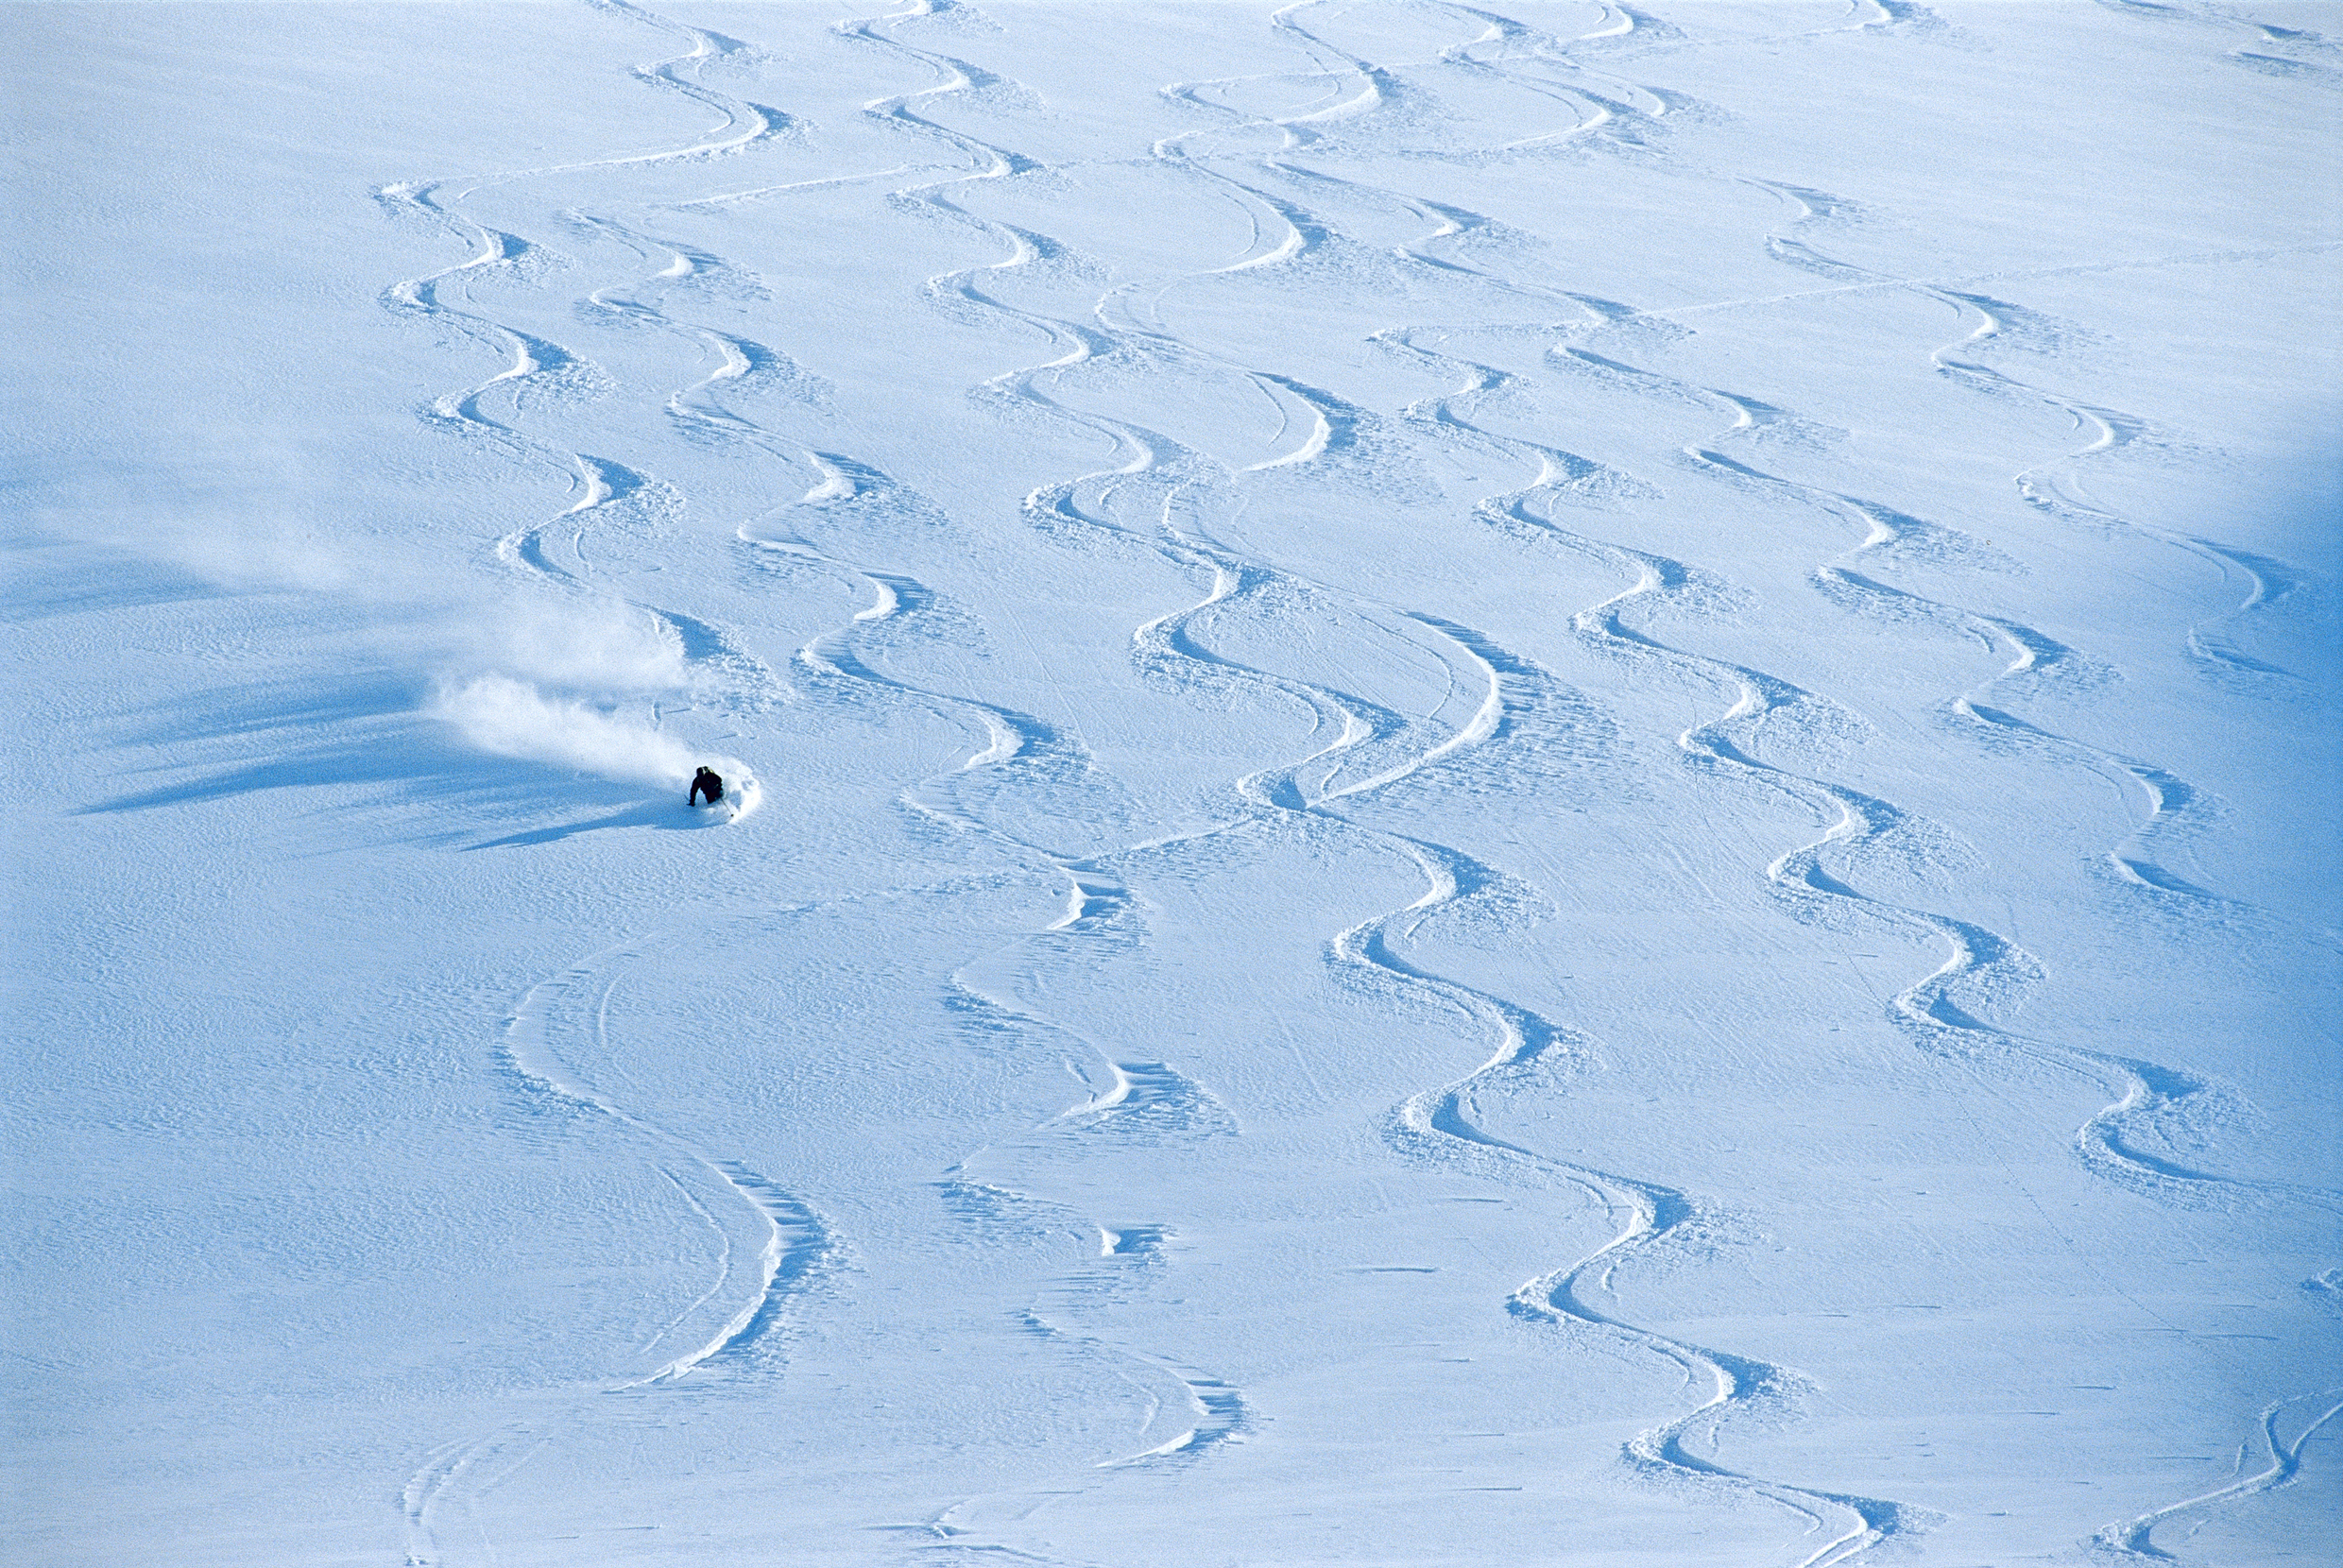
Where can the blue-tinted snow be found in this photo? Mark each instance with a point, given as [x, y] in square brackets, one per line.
[1540, 783]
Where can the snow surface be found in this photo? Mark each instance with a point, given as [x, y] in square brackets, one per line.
[1542, 784]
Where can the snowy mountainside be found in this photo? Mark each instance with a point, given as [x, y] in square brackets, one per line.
[1546, 783]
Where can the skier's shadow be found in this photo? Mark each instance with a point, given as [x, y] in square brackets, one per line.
[666, 816]
[345, 735]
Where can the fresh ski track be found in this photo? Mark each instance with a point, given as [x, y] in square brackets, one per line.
[2148, 1090]
[1014, 744]
[2106, 430]
[1160, 642]
[2131, 1539]
[793, 1242]
[1013, 738]
[1604, 107]
[1435, 1118]
[791, 1246]
[604, 490]
[1859, 823]
[1522, 1038]
[1647, 1214]
[2034, 657]
[1927, 1010]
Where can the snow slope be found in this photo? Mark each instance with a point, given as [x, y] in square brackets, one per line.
[1540, 783]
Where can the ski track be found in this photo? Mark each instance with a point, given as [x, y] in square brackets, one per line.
[1434, 1125]
[1367, 748]
[1649, 1216]
[1188, 1412]
[796, 1245]
[1147, 1100]
[2152, 1097]
[1438, 1121]
[2108, 430]
[608, 493]
[788, 1246]
[793, 1245]
[1523, 1039]
[792, 1242]
[775, 1252]
[1153, 464]
[2154, 1100]
[2131, 1539]
[1893, 536]
[2295, 54]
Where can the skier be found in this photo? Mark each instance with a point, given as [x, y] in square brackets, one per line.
[706, 782]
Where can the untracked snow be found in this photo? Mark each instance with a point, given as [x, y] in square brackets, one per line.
[1540, 783]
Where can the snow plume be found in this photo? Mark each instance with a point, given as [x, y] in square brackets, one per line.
[551, 681]
[512, 718]
[588, 645]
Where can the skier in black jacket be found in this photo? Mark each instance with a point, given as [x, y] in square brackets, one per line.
[706, 782]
